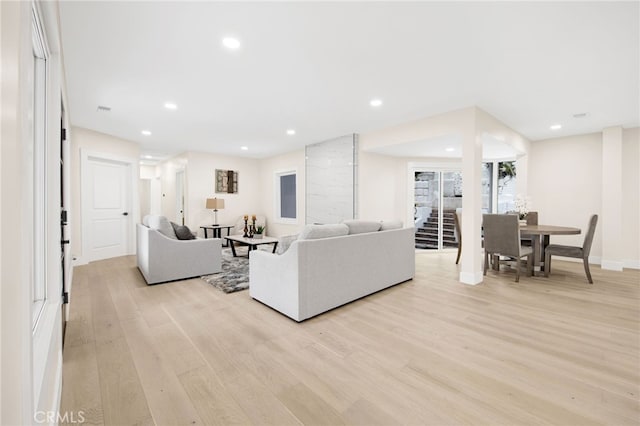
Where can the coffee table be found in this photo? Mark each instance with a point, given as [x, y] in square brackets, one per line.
[253, 243]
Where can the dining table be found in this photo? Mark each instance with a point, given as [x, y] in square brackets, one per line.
[539, 235]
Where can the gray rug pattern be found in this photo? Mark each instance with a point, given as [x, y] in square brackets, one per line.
[235, 272]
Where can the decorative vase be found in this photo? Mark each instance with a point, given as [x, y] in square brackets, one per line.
[257, 236]
[523, 222]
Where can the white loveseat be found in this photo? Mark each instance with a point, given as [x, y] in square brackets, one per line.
[317, 275]
[165, 258]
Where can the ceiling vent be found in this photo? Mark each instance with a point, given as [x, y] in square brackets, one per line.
[102, 108]
[580, 115]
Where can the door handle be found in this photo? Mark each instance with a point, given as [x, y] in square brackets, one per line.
[125, 214]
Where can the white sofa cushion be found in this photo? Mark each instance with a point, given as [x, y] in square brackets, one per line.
[312, 232]
[285, 242]
[163, 226]
[145, 220]
[390, 224]
[362, 226]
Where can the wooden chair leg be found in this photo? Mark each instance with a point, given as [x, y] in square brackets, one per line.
[530, 264]
[459, 253]
[486, 262]
[547, 264]
[586, 269]
[518, 269]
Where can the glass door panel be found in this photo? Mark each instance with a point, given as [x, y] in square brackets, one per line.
[437, 196]
[426, 211]
[451, 201]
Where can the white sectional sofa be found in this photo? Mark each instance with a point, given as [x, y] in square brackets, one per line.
[162, 257]
[319, 274]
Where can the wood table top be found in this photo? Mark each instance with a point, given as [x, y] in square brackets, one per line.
[548, 230]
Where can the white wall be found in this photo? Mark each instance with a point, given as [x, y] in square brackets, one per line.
[565, 185]
[294, 160]
[200, 178]
[383, 188]
[631, 197]
[88, 140]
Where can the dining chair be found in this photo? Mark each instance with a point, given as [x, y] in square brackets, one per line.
[458, 230]
[532, 219]
[502, 238]
[572, 251]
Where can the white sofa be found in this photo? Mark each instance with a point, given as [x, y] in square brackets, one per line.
[162, 258]
[317, 275]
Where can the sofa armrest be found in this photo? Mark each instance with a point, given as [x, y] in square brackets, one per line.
[273, 280]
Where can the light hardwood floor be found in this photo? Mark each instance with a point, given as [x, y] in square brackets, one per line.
[429, 351]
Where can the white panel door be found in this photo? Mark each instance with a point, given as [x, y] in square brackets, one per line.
[108, 209]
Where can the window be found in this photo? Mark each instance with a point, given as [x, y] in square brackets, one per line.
[38, 153]
[286, 200]
[506, 186]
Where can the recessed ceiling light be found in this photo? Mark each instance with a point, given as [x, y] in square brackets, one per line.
[450, 149]
[170, 105]
[244, 148]
[231, 43]
[556, 127]
[375, 102]
[291, 132]
[146, 132]
[148, 156]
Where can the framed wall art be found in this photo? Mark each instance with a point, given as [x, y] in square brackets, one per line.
[226, 181]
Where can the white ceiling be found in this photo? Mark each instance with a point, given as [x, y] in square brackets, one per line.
[315, 66]
[449, 146]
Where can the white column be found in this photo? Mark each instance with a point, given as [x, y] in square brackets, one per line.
[471, 269]
[611, 217]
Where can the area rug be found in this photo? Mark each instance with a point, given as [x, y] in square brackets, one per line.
[234, 275]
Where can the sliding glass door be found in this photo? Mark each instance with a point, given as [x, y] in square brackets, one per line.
[437, 196]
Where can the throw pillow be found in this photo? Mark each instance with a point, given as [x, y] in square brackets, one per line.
[285, 242]
[391, 224]
[182, 232]
[362, 226]
[312, 232]
[162, 225]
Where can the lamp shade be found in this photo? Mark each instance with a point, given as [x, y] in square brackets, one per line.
[215, 203]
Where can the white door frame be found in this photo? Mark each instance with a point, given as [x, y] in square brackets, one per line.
[85, 190]
[180, 190]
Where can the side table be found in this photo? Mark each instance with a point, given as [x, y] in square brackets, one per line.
[216, 232]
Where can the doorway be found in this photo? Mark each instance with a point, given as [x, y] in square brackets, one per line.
[180, 197]
[107, 202]
[437, 196]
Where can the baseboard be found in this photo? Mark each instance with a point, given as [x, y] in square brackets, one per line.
[58, 387]
[471, 278]
[612, 265]
[597, 260]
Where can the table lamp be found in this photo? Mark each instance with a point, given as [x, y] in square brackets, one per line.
[215, 204]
